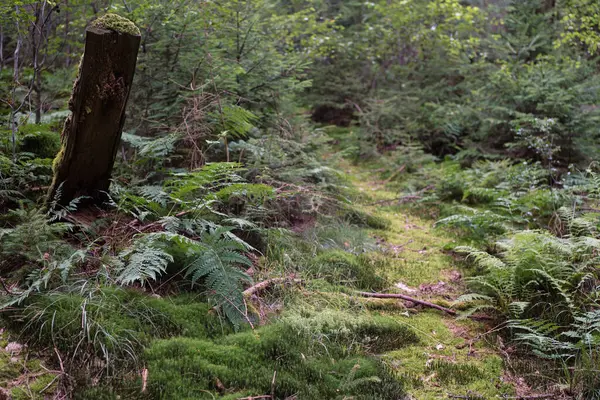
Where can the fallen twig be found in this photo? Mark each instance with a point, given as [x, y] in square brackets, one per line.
[265, 284]
[395, 174]
[407, 298]
[417, 301]
[273, 384]
[144, 380]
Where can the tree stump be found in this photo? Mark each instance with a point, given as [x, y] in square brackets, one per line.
[92, 133]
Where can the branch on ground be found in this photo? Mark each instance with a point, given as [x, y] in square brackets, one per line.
[270, 282]
[418, 301]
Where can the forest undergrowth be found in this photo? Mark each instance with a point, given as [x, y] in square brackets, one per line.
[117, 315]
[309, 199]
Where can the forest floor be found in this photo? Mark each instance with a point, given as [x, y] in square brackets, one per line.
[451, 358]
[454, 358]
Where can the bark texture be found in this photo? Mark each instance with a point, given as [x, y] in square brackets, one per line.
[92, 133]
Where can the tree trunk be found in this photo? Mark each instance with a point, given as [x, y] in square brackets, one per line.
[67, 40]
[1, 48]
[36, 38]
[92, 133]
[13, 103]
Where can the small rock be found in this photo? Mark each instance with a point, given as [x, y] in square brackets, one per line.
[405, 288]
[14, 348]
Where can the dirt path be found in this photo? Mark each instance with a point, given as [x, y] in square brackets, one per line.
[455, 357]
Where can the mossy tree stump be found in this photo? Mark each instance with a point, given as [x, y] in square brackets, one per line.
[92, 133]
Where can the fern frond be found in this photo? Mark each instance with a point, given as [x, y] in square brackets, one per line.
[142, 264]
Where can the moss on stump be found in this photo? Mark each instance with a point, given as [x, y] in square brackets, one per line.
[116, 23]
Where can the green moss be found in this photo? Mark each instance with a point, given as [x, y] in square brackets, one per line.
[317, 356]
[9, 370]
[36, 389]
[189, 316]
[39, 139]
[117, 23]
[356, 216]
[339, 267]
[442, 364]
[58, 159]
[24, 374]
[455, 373]
[116, 325]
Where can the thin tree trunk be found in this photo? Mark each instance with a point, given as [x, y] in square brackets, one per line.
[38, 38]
[13, 108]
[92, 134]
[68, 46]
[1, 48]
[35, 35]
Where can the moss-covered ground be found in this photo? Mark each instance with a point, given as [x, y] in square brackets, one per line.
[452, 357]
[317, 340]
[23, 375]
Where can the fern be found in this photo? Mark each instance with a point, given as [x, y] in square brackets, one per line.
[575, 347]
[237, 120]
[56, 272]
[477, 223]
[143, 263]
[152, 149]
[33, 235]
[534, 274]
[217, 264]
[213, 260]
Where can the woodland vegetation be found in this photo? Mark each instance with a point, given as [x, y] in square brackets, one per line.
[311, 199]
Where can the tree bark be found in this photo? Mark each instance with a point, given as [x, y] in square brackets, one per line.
[91, 135]
[67, 40]
[13, 103]
[1, 48]
[36, 39]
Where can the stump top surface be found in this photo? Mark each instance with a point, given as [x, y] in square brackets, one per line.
[116, 23]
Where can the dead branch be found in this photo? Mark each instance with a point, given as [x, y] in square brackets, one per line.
[273, 384]
[468, 397]
[407, 298]
[417, 301]
[395, 174]
[532, 397]
[269, 282]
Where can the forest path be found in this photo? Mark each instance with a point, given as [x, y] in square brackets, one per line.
[454, 357]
